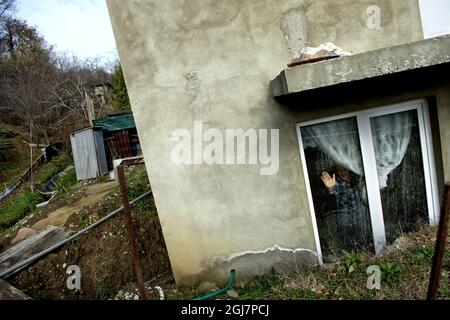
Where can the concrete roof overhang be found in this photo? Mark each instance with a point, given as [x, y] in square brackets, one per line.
[409, 66]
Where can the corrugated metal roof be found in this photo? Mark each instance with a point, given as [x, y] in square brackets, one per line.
[115, 122]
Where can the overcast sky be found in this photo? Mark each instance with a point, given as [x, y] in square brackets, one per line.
[81, 27]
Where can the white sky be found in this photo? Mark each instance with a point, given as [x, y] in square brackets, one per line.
[435, 17]
[78, 27]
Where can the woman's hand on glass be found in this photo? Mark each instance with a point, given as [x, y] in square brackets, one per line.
[328, 181]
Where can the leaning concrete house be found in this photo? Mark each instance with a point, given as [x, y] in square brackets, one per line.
[364, 139]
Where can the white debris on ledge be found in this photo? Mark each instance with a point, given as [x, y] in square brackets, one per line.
[314, 54]
[330, 46]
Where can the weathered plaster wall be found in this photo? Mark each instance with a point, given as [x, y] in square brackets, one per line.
[212, 61]
[346, 22]
[443, 102]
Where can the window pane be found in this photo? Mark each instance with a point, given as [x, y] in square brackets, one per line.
[396, 139]
[335, 171]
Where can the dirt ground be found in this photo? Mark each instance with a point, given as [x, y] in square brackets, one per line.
[103, 254]
[91, 195]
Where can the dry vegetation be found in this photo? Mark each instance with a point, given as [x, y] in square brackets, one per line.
[405, 270]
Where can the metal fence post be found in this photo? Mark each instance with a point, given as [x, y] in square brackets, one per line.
[131, 233]
[440, 245]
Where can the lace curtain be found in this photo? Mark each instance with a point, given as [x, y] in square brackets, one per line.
[391, 135]
[340, 140]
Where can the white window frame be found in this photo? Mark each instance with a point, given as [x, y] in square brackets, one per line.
[368, 157]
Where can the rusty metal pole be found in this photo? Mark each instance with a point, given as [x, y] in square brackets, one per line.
[440, 245]
[131, 233]
[31, 158]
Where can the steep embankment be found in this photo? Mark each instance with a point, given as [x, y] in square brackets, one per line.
[102, 254]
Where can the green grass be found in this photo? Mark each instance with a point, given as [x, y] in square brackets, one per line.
[349, 261]
[12, 171]
[15, 161]
[65, 185]
[137, 184]
[16, 208]
[424, 254]
[51, 168]
[262, 287]
[24, 201]
[42, 295]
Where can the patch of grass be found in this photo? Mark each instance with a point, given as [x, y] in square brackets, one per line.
[41, 295]
[74, 241]
[16, 208]
[137, 184]
[105, 290]
[262, 287]
[424, 254]
[444, 288]
[389, 270]
[65, 185]
[51, 168]
[102, 179]
[349, 261]
[84, 221]
[114, 192]
[11, 170]
[15, 160]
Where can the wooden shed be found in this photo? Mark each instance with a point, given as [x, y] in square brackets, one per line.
[89, 153]
[120, 136]
[95, 148]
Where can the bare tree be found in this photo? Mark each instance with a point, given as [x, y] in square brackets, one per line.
[7, 7]
[51, 93]
[75, 94]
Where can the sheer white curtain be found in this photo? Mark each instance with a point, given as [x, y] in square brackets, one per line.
[391, 136]
[339, 139]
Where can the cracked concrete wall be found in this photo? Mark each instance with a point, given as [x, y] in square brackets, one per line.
[212, 61]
